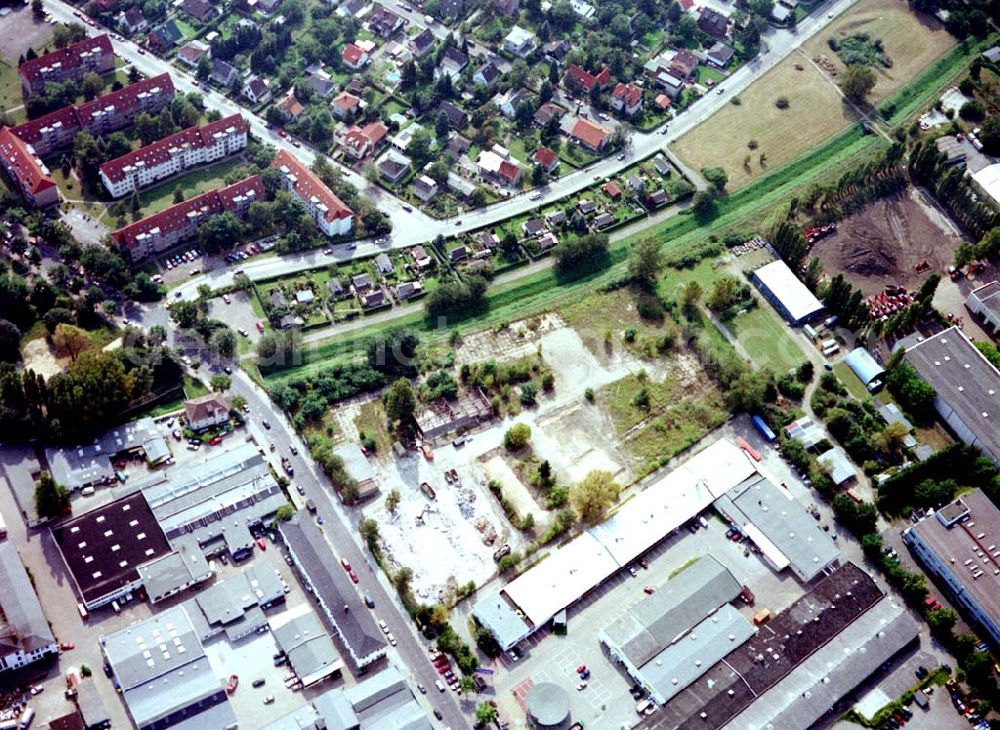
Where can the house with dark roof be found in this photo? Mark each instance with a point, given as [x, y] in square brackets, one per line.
[603, 221]
[165, 36]
[713, 22]
[202, 10]
[657, 198]
[683, 65]
[256, 91]
[556, 50]
[393, 166]
[373, 299]
[223, 73]
[422, 42]
[208, 411]
[451, 8]
[25, 635]
[457, 118]
[555, 218]
[487, 74]
[131, 21]
[383, 22]
[68, 64]
[532, 227]
[507, 8]
[548, 111]
[509, 101]
[361, 283]
[719, 55]
[453, 61]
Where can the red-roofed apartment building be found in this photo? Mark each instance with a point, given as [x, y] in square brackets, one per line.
[626, 98]
[68, 64]
[331, 215]
[180, 222]
[178, 152]
[580, 77]
[592, 136]
[26, 171]
[362, 141]
[104, 114]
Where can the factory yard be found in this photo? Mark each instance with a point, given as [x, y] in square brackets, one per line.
[895, 241]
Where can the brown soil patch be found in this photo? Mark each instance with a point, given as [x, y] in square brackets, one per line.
[885, 243]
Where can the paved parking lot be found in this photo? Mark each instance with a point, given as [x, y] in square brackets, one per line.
[238, 314]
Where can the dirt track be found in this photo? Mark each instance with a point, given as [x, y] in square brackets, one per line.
[886, 242]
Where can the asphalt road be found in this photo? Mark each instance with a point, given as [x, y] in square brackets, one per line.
[341, 530]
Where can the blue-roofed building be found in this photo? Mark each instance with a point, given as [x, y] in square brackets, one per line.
[867, 368]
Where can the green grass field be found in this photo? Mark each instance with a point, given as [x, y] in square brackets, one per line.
[767, 339]
[10, 86]
[161, 196]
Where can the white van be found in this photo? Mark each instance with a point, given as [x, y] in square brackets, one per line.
[115, 607]
[87, 491]
[439, 684]
[26, 717]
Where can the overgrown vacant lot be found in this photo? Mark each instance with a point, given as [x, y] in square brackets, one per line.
[815, 113]
[912, 42]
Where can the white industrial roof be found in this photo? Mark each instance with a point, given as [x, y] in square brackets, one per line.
[568, 573]
[989, 180]
[796, 298]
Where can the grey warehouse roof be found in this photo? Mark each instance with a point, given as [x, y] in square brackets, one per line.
[495, 613]
[19, 605]
[656, 621]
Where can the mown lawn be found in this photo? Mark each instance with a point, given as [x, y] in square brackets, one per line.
[161, 196]
[767, 339]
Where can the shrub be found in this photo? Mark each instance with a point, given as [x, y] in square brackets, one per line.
[782, 102]
[517, 436]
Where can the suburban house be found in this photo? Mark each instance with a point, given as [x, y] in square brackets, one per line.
[68, 64]
[719, 55]
[519, 41]
[553, 219]
[223, 73]
[556, 51]
[713, 22]
[683, 65]
[499, 169]
[255, 90]
[351, 8]
[164, 37]
[661, 164]
[420, 258]
[457, 118]
[611, 189]
[201, 10]
[451, 8]
[422, 42]
[332, 216]
[180, 222]
[208, 411]
[345, 105]
[487, 74]
[354, 57]
[319, 80]
[509, 101]
[507, 8]
[178, 152]
[27, 171]
[547, 112]
[453, 61]
[592, 136]
[662, 102]
[393, 166]
[548, 159]
[626, 98]
[425, 188]
[532, 227]
[359, 142]
[290, 107]
[191, 53]
[408, 290]
[579, 78]
[383, 22]
[131, 21]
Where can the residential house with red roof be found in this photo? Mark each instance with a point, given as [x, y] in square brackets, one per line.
[332, 216]
[359, 142]
[28, 173]
[548, 159]
[592, 136]
[578, 77]
[181, 222]
[290, 107]
[354, 57]
[178, 152]
[627, 99]
[499, 169]
[68, 64]
[107, 113]
[345, 105]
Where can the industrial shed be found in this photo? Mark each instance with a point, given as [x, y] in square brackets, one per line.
[866, 367]
[787, 293]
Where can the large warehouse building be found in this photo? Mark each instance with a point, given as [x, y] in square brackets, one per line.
[166, 680]
[666, 641]
[787, 293]
[807, 658]
[533, 598]
[967, 386]
[960, 544]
